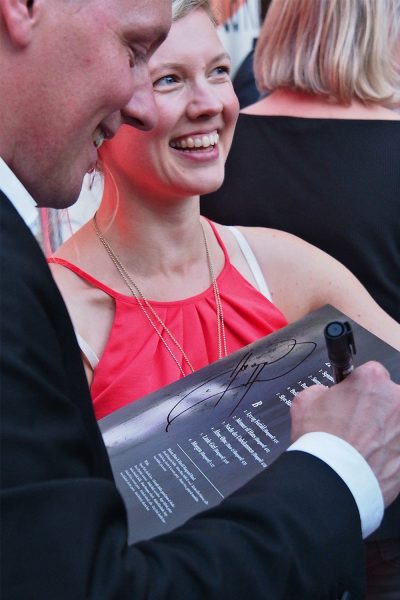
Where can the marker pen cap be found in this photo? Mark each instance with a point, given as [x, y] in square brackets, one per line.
[339, 341]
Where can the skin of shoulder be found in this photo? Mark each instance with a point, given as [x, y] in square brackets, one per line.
[86, 304]
[303, 278]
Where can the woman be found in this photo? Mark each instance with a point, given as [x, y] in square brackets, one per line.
[154, 290]
[319, 156]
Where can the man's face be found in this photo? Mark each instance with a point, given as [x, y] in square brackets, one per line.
[90, 75]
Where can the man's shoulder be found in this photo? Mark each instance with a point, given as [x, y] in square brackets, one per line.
[15, 233]
[28, 288]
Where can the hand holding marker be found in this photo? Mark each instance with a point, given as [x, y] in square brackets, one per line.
[340, 345]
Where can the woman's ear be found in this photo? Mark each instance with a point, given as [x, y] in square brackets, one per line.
[19, 17]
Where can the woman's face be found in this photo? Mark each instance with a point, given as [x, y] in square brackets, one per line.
[185, 153]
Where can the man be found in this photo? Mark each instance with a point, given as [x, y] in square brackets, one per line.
[71, 72]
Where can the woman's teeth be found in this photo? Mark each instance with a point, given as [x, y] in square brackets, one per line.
[203, 141]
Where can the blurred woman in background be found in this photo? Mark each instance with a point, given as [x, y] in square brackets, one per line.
[319, 156]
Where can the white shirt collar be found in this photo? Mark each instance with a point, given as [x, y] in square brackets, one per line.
[17, 194]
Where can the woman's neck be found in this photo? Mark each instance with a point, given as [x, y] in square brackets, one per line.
[152, 240]
[150, 237]
[166, 258]
[285, 102]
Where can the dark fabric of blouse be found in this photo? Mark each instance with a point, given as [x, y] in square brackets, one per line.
[334, 183]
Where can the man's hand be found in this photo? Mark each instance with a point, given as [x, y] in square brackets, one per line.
[364, 410]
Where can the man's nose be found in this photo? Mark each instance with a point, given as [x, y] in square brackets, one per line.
[141, 111]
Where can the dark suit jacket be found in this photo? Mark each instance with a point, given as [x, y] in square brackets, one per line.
[292, 533]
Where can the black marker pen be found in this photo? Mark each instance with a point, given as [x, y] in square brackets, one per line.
[340, 345]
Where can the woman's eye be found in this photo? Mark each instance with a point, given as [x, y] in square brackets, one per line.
[165, 81]
[221, 70]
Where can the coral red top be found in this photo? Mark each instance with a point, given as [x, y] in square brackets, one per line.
[135, 362]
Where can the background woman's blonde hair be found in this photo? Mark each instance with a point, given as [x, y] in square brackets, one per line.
[342, 49]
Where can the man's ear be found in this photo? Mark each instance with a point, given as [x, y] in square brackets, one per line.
[19, 17]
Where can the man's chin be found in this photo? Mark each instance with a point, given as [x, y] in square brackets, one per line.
[58, 203]
[59, 198]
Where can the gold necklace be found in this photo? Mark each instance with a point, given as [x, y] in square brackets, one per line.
[150, 312]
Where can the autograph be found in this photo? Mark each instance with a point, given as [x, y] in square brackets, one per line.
[235, 383]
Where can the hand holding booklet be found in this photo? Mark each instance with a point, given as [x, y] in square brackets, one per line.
[183, 448]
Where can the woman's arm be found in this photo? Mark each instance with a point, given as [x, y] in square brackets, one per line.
[303, 278]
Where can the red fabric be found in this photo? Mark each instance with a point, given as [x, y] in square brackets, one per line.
[135, 362]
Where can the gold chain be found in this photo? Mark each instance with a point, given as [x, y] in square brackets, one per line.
[146, 306]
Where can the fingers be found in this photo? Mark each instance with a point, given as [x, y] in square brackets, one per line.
[319, 408]
[304, 404]
[371, 370]
[309, 394]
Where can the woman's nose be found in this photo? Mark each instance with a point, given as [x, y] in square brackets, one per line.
[204, 101]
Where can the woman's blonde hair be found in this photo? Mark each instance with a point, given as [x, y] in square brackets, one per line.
[342, 49]
[180, 8]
